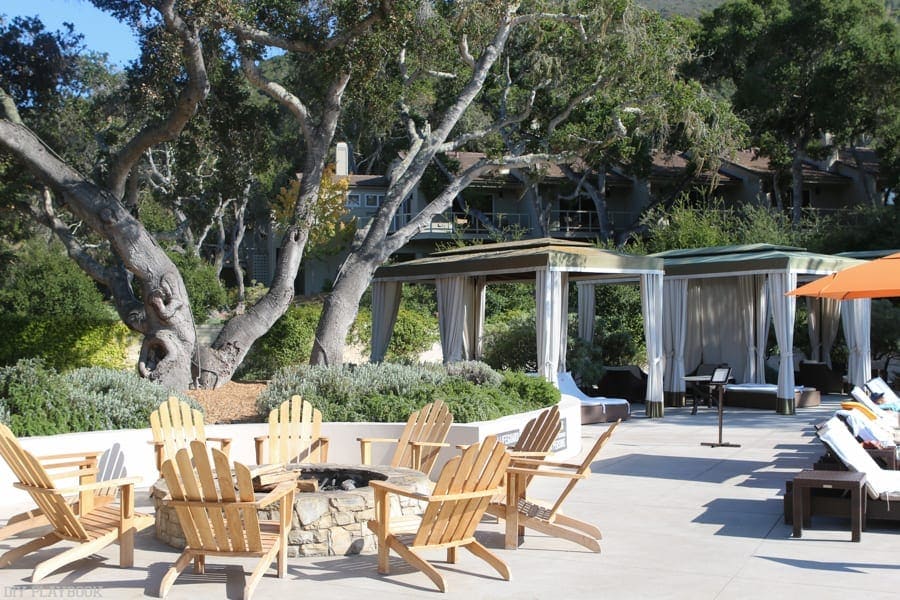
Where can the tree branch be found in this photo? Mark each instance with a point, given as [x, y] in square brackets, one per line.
[245, 32]
[277, 92]
[8, 109]
[185, 105]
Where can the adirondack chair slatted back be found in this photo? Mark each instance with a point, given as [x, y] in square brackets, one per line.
[175, 425]
[229, 523]
[431, 424]
[540, 432]
[585, 466]
[479, 468]
[294, 429]
[538, 436]
[30, 472]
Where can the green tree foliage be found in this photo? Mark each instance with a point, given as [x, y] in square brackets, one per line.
[51, 311]
[687, 226]
[863, 228]
[801, 69]
[288, 342]
[204, 287]
[40, 282]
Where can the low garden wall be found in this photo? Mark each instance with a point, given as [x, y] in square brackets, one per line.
[129, 452]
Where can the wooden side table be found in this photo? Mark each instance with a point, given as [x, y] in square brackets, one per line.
[808, 480]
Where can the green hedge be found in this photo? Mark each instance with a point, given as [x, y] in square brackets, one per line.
[388, 392]
[64, 342]
[35, 399]
[288, 342]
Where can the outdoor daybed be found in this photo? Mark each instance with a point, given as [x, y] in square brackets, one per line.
[594, 409]
[763, 395]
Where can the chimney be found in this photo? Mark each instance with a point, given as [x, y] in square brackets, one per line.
[342, 159]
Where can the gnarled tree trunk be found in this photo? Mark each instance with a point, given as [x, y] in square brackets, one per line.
[162, 313]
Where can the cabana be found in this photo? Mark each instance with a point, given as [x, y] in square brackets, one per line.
[719, 303]
[460, 276]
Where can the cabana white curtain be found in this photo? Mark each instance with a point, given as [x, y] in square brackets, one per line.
[385, 304]
[551, 302]
[586, 311]
[856, 315]
[762, 321]
[652, 309]
[456, 316]
[674, 324]
[824, 316]
[751, 292]
[783, 313]
[693, 339]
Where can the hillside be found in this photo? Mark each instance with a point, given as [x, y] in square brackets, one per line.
[685, 8]
[693, 8]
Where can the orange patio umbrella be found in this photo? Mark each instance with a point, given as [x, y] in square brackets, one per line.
[879, 278]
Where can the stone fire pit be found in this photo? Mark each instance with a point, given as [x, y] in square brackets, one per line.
[329, 522]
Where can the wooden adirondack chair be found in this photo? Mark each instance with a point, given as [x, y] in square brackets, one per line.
[294, 434]
[455, 507]
[521, 512]
[174, 426]
[92, 524]
[421, 441]
[60, 466]
[219, 515]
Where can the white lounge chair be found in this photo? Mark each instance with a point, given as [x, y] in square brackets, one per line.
[594, 409]
[879, 385]
[881, 484]
[886, 418]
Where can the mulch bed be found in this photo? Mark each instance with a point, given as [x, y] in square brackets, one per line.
[234, 402]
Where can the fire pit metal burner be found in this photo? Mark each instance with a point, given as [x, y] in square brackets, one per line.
[328, 522]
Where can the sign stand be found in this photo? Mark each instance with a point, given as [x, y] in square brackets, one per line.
[719, 379]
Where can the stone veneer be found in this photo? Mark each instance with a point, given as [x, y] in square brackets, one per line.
[324, 523]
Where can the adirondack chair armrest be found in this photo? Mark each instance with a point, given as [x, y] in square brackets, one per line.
[48, 461]
[365, 447]
[322, 443]
[119, 482]
[430, 444]
[377, 440]
[545, 473]
[465, 495]
[384, 487]
[527, 453]
[84, 475]
[224, 442]
[281, 490]
[543, 463]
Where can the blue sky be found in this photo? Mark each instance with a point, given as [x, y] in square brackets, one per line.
[101, 32]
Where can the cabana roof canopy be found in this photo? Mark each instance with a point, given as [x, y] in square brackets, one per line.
[728, 261]
[517, 261]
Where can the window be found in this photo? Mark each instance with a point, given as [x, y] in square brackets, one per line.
[374, 200]
[352, 200]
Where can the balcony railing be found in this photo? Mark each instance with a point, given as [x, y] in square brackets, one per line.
[567, 222]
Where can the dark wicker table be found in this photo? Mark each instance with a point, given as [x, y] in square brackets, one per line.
[808, 480]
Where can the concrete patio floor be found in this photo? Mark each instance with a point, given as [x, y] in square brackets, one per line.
[679, 520]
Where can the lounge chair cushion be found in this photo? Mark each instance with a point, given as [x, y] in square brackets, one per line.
[866, 429]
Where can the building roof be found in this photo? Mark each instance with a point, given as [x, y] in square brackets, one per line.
[751, 160]
[517, 261]
[728, 261]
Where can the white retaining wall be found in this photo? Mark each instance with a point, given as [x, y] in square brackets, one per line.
[130, 451]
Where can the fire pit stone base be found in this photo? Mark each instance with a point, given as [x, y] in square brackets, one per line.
[324, 523]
